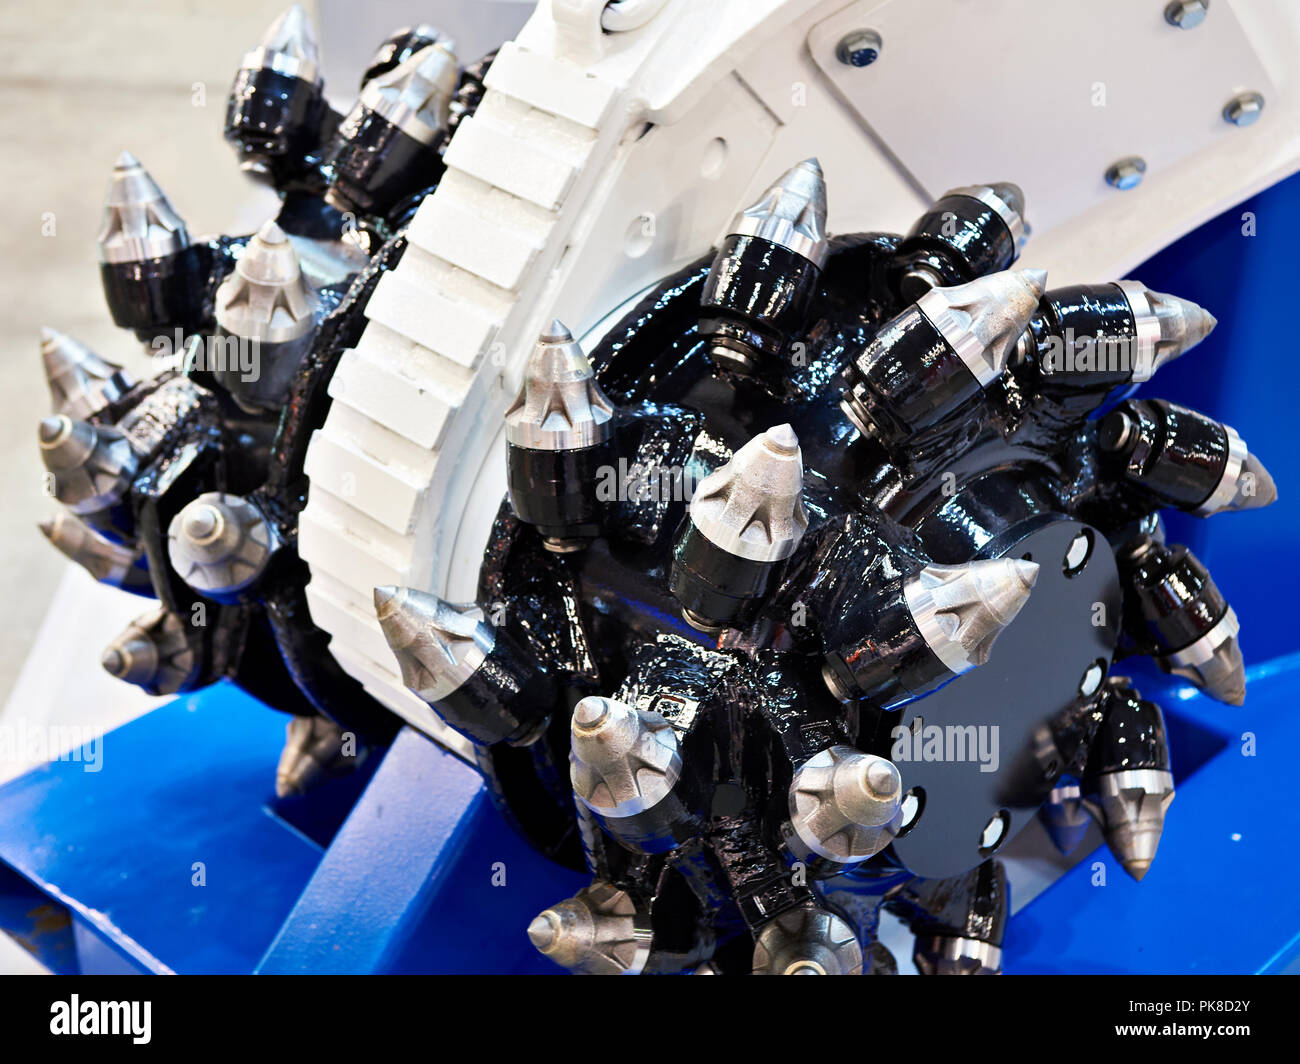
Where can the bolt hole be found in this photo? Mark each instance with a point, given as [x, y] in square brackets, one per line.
[1092, 677]
[1077, 554]
[995, 833]
[640, 236]
[912, 808]
[715, 158]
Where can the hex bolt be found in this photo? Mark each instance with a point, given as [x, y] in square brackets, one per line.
[1187, 14]
[1127, 173]
[1244, 109]
[859, 49]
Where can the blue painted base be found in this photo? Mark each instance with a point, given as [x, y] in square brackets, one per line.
[156, 865]
[176, 856]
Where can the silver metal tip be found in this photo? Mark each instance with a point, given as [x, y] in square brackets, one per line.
[556, 333]
[590, 712]
[560, 405]
[53, 429]
[791, 212]
[781, 438]
[983, 319]
[1255, 486]
[385, 599]
[752, 507]
[271, 233]
[126, 161]
[1028, 573]
[113, 661]
[1036, 279]
[542, 932]
[960, 610]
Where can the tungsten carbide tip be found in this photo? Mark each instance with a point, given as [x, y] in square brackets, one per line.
[92, 465]
[1214, 662]
[590, 712]
[624, 761]
[1183, 324]
[1166, 327]
[560, 406]
[791, 213]
[416, 95]
[384, 599]
[265, 297]
[599, 931]
[1254, 488]
[807, 940]
[438, 646]
[1130, 806]
[288, 47]
[983, 319]
[556, 333]
[960, 610]
[108, 562]
[1035, 281]
[129, 660]
[544, 930]
[152, 652]
[80, 382]
[139, 221]
[316, 749]
[752, 507]
[845, 805]
[220, 543]
[53, 429]
[781, 440]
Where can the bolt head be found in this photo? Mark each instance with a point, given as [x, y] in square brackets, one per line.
[859, 49]
[1127, 173]
[1244, 110]
[1187, 14]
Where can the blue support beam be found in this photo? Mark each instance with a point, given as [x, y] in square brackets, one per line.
[181, 797]
[424, 876]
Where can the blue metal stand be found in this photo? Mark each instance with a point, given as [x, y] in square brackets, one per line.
[176, 857]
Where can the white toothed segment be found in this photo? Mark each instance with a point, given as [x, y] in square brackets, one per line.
[596, 163]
